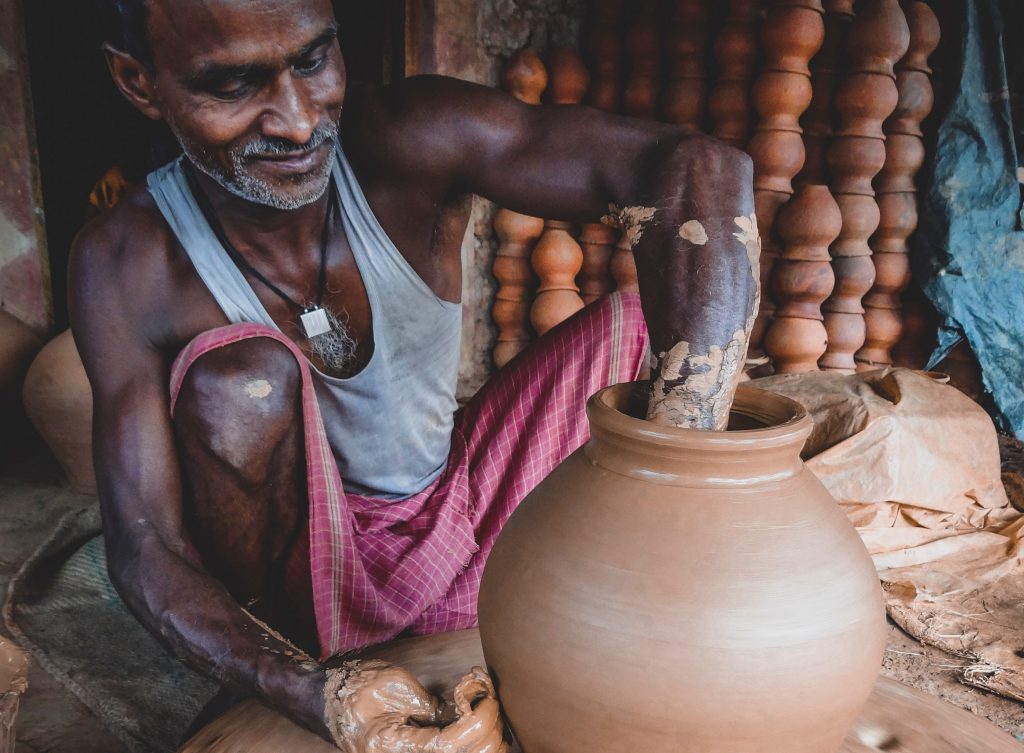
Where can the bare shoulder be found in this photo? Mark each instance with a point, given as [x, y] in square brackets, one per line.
[119, 265]
[429, 122]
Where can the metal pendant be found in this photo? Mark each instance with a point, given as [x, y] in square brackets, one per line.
[315, 322]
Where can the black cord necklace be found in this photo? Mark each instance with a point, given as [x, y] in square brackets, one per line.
[313, 319]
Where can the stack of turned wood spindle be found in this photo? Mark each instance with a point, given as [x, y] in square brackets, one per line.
[878, 37]
[896, 190]
[558, 258]
[791, 35]
[525, 78]
[827, 96]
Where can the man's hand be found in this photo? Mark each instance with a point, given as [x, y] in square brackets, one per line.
[375, 706]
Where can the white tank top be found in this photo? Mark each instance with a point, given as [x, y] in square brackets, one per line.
[389, 425]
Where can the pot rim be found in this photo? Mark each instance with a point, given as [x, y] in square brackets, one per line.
[786, 421]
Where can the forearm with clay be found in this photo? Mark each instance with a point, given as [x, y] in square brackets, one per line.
[205, 627]
[694, 237]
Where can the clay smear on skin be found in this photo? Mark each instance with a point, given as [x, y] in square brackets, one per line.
[751, 240]
[373, 706]
[258, 388]
[694, 232]
[694, 390]
[630, 220]
[688, 384]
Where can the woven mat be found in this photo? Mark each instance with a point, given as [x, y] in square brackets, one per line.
[62, 607]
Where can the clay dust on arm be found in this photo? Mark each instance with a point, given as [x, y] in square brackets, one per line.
[697, 251]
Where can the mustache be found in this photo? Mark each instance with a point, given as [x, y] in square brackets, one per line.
[264, 146]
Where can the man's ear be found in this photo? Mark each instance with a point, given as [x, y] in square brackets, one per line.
[133, 79]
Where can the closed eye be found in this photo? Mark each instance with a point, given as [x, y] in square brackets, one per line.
[309, 65]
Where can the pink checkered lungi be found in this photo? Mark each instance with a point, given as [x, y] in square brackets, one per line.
[383, 567]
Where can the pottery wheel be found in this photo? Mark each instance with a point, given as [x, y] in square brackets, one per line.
[897, 719]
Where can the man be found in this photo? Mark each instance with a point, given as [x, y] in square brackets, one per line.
[224, 516]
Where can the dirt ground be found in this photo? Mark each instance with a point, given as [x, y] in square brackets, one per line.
[53, 721]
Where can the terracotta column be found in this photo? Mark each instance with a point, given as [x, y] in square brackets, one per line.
[791, 35]
[603, 52]
[736, 50]
[878, 38]
[897, 193]
[558, 258]
[525, 77]
[684, 99]
[643, 51]
[802, 279]
[826, 73]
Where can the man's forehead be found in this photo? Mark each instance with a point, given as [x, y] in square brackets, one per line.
[192, 31]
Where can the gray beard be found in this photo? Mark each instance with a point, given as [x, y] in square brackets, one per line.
[335, 349]
[247, 186]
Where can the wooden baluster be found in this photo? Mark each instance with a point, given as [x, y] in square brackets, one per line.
[826, 70]
[557, 260]
[603, 48]
[791, 35]
[685, 94]
[568, 77]
[643, 51]
[597, 242]
[878, 38]
[517, 235]
[623, 267]
[569, 83]
[919, 335]
[525, 77]
[803, 279]
[897, 197]
[736, 50]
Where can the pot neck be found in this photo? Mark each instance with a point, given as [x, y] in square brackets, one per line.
[766, 433]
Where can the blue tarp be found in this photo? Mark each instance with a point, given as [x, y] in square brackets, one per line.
[969, 250]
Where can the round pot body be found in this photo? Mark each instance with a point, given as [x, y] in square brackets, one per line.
[682, 591]
[58, 399]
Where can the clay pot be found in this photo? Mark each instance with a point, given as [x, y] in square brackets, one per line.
[58, 399]
[672, 590]
[18, 344]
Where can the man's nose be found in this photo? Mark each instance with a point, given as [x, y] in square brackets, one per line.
[292, 114]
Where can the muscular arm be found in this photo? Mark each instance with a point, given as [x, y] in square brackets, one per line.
[141, 495]
[684, 199]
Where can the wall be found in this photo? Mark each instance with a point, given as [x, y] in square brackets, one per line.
[24, 283]
[471, 40]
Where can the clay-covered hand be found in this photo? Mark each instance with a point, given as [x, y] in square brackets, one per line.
[376, 707]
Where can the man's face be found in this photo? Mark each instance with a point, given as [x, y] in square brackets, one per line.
[253, 90]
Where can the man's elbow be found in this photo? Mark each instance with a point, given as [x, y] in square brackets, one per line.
[135, 573]
[707, 156]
